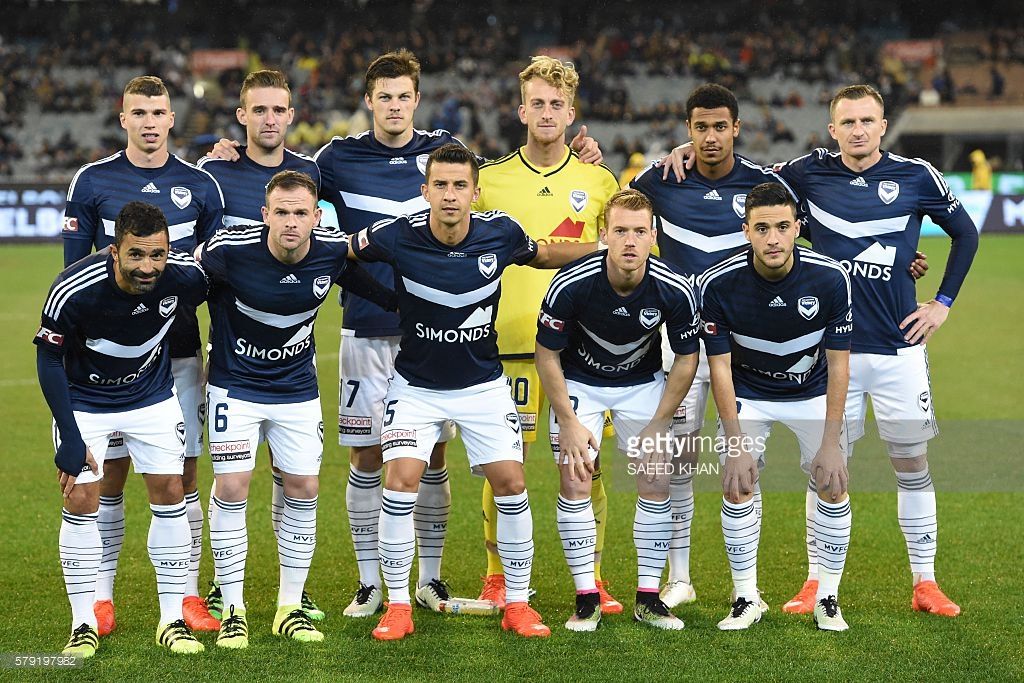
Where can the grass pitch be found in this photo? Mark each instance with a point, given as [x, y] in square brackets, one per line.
[975, 365]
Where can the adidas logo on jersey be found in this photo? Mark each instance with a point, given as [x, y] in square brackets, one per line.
[141, 308]
[151, 188]
[544, 192]
[776, 302]
[621, 310]
[397, 161]
[713, 195]
[289, 279]
[859, 182]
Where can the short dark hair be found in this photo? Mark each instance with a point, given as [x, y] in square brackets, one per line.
[393, 64]
[454, 153]
[712, 96]
[291, 180]
[855, 92]
[139, 219]
[266, 78]
[768, 194]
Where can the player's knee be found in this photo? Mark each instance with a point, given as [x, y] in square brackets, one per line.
[366, 458]
[908, 457]
[84, 499]
[232, 487]
[437, 456]
[509, 485]
[164, 489]
[576, 489]
[301, 486]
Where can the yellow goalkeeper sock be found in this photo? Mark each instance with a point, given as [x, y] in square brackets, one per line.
[599, 501]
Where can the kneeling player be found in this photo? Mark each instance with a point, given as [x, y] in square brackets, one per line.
[598, 349]
[448, 264]
[776, 324]
[104, 366]
[268, 284]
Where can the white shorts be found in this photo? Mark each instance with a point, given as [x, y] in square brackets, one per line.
[294, 431]
[154, 435]
[365, 365]
[900, 392]
[690, 414]
[631, 407]
[188, 385]
[806, 419]
[414, 418]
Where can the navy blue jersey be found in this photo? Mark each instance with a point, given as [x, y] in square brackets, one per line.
[610, 340]
[777, 332]
[700, 221]
[114, 343]
[366, 182]
[447, 295]
[244, 183]
[870, 222]
[262, 312]
[188, 196]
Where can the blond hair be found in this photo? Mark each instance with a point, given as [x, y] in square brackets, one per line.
[556, 73]
[148, 86]
[264, 79]
[629, 199]
[855, 92]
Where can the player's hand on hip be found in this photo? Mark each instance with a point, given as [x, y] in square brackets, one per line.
[923, 322]
[829, 471]
[740, 475]
[575, 443]
[587, 147]
[67, 481]
[225, 149]
[919, 266]
[678, 161]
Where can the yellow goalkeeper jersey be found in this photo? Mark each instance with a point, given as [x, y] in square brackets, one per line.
[561, 203]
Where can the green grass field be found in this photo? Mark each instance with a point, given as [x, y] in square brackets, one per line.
[975, 365]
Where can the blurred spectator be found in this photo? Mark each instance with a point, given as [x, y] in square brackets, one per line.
[635, 164]
[981, 171]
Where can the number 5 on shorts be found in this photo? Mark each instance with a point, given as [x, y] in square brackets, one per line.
[389, 412]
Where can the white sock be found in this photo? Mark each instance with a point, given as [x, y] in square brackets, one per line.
[742, 531]
[276, 503]
[681, 494]
[396, 543]
[211, 510]
[362, 500]
[170, 549]
[296, 541]
[578, 531]
[430, 517]
[80, 551]
[194, 512]
[915, 505]
[652, 535]
[810, 508]
[515, 544]
[229, 542]
[111, 529]
[832, 530]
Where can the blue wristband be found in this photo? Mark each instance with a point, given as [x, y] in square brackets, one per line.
[944, 300]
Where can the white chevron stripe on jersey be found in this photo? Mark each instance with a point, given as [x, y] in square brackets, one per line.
[80, 280]
[617, 349]
[282, 322]
[109, 348]
[74, 181]
[780, 348]
[708, 245]
[232, 221]
[386, 207]
[880, 226]
[177, 231]
[448, 299]
[582, 270]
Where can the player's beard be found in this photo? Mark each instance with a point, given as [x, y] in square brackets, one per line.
[132, 277]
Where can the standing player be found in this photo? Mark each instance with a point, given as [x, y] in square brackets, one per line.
[777, 324]
[598, 349]
[546, 187]
[700, 222]
[448, 369]
[864, 209]
[266, 112]
[103, 367]
[192, 202]
[268, 281]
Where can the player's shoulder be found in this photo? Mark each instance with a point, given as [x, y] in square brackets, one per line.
[434, 138]
[235, 237]
[340, 144]
[200, 176]
[648, 177]
[598, 173]
[76, 282]
[500, 164]
[182, 261]
[103, 166]
[575, 275]
[819, 156]
[299, 160]
[329, 234]
[723, 271]
[915, 167]
[820, 263]
[665, 275]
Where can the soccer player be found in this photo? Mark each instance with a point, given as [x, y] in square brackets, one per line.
[864, 209]
[777, 323]
[268, 281]
[448, 263]
[599, 349]
[558, 198]
[103, 365]
[266, 112]
[700, 222]
[192, 202]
